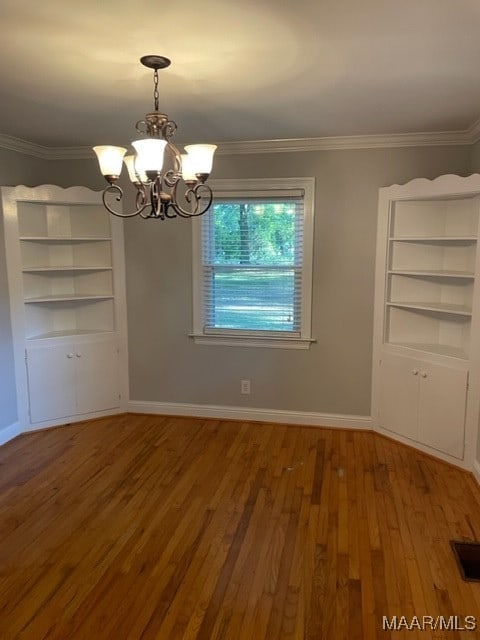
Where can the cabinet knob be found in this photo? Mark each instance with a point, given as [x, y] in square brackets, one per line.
[415, 372]
[69, 355]
[423, 374]
[79, 355]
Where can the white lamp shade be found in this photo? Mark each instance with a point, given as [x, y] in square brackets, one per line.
[110, 159]
[134, 172]
[150, 153]
[201, 157]
[188, 168]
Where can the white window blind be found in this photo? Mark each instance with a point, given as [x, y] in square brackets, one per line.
[252, 266]
[252, 249]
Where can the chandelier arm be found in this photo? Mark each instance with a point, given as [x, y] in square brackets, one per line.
[168, 211]
[138, 124]
[200, 194]
[141, 197]
[169, 204]
[147, 202]
[168, 129]
[172, 176]
[140, 202]
[157, 208]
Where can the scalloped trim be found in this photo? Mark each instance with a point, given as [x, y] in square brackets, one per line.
[52, 192]
[447, 183]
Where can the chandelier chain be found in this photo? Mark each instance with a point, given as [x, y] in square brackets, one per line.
[155, 90]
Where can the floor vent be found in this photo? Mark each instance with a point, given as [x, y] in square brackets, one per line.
[467, 555]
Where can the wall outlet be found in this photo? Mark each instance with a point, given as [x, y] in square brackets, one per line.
[245, 387]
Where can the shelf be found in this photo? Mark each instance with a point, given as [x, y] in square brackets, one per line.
[67, 297]
[436, 219]
[66, 334]
[65, 238]
[439, 349]
[435, 273]
[437, 307]
[433, 239]
[65, 268]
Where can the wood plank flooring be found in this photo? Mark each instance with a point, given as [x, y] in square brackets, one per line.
[146, 527]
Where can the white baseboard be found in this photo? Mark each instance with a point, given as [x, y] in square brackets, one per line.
[10, 432]
[67, 420]
[476, 471]
[252, 414]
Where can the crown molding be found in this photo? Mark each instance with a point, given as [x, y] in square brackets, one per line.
[474, 132]
[288, 145]
[23, 146]
[70, 153]
[44, 153]
[377, 141]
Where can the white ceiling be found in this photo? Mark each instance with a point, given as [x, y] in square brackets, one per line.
[241, 69]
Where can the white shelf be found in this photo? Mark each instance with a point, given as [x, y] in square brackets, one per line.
[64, 238]
[433, 239]
[435, 219]
[430, 274]
[434, 273]
[67, 334]
[67, 297]
[439, 349]
[65, 268]
[437, 307]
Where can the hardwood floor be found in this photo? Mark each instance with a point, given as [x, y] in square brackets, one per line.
[142, 527]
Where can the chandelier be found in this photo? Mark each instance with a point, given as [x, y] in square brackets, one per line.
[168, 183]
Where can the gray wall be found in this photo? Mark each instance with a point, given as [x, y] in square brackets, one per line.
[165, 365]
[334, 375]
[18, 168]
[475, 158]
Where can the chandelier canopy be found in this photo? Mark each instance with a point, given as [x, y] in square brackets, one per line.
[168, 183]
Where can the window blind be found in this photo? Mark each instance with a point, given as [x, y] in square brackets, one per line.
[252, 264]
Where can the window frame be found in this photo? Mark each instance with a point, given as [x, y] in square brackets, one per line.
[260, 187]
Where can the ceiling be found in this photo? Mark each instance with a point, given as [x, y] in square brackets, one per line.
[241, 70]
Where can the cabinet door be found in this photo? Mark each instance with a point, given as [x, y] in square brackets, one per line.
[399, 395]
[441, 413]
[97, 375]
[51, 382]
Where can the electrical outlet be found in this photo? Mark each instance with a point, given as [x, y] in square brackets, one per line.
[245, 387]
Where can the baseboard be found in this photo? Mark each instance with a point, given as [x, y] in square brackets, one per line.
[10, 432]
[67, 420]
[476, 471]
[307, 418]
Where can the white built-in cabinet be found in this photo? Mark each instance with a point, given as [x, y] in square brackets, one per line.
[426, 359]
[67, 297]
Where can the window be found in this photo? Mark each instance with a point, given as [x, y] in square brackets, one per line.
[253, 264]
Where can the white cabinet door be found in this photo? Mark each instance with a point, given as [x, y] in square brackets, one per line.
[399, 395]
[97, 375]
[425, 402]
[441, 410]
[51, 382]
[72, 379]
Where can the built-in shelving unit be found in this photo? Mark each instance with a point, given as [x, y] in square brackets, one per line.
[427, 313]
[431, 254]
[66, 259]
[65, 265]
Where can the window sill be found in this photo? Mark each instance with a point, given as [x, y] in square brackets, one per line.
[232, 340]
